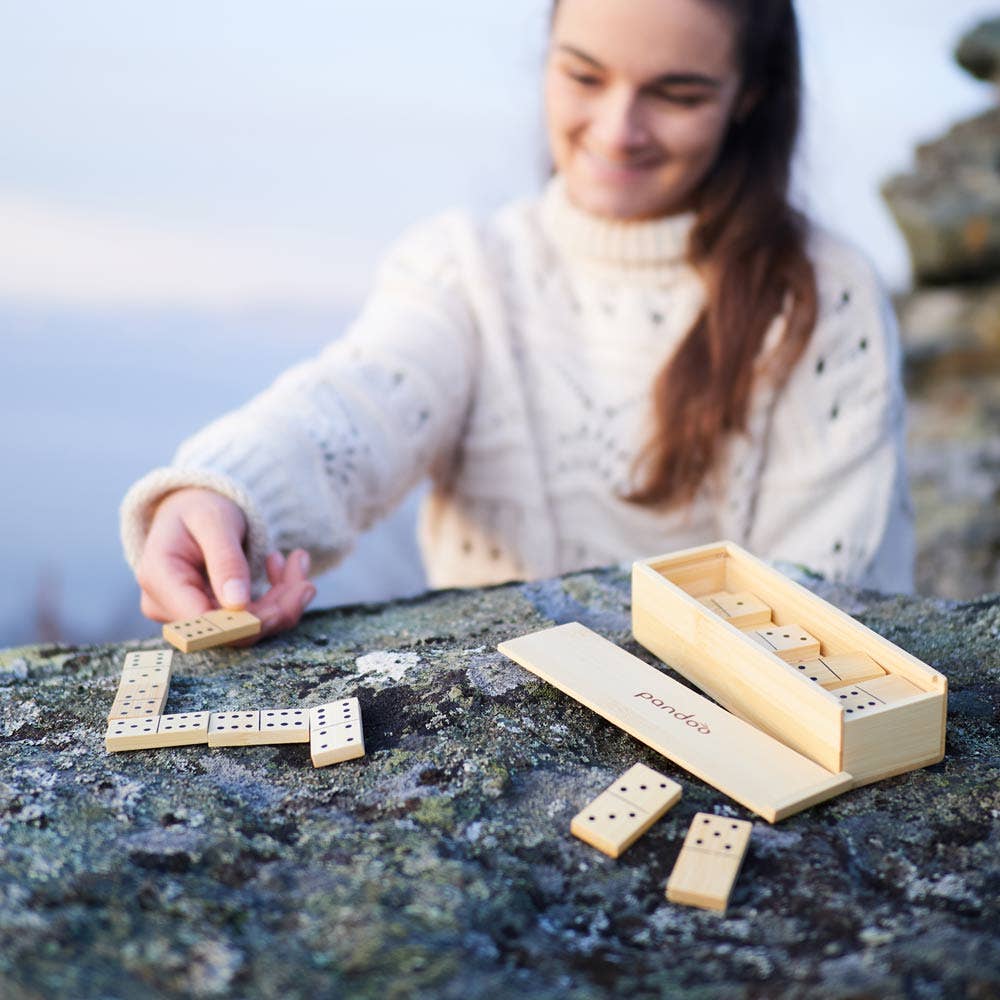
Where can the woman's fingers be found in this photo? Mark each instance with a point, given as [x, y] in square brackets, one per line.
[194, 532]
[170, 576]
[218, 530]
[275, 566]
[291, 591]
[282, 606]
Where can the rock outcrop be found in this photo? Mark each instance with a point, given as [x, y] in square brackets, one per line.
[440, 865]
[948, 208]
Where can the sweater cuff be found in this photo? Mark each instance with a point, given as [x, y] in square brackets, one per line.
[139, 505]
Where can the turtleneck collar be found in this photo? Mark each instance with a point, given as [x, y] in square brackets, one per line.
[645, 245]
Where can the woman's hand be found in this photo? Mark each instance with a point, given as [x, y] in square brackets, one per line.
[193, 561]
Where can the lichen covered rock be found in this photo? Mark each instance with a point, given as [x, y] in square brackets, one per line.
[441, 864]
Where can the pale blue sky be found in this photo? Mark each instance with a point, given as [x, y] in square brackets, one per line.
[167, 170]
[207, 153]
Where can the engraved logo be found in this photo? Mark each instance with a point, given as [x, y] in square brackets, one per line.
[686, 717]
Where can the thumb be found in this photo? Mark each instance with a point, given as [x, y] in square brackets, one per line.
[221, 542]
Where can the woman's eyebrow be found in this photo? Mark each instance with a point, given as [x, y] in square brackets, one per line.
[666, 79]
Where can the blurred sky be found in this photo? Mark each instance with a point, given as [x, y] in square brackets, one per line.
[223, 152]
[193, 195]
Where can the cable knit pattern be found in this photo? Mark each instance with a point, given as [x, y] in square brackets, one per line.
[511, 360]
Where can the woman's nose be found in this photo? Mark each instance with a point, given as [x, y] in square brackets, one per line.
[618, 124]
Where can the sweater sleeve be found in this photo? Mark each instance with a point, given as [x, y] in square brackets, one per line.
[336, 442]
[834, 493]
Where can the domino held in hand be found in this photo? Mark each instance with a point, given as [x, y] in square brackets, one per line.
[213, 628]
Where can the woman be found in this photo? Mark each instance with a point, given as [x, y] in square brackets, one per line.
[657, 352]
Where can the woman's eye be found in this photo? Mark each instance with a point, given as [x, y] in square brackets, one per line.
[684, 100]
[585, 79]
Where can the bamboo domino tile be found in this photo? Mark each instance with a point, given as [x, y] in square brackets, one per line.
[144, 685]
[181, 729]
[335, 732]
[741, 610]
[879, 692]
[625, 810]
[149, 659]
[234, 729]
[790, 642]
[284, 725]
[709, 862]
[213, 628]
[138, 708]
[835, 671]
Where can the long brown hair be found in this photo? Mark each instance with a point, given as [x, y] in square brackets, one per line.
[748, 244]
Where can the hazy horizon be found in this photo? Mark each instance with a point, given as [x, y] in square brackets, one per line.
[196, 197]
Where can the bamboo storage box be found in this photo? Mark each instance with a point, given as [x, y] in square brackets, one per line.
[842, 727]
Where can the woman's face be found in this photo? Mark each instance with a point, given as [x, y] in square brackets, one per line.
[638, 97]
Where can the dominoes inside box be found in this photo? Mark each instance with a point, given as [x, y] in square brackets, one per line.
[812, 677]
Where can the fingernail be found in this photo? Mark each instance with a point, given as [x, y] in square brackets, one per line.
[279, 561]
[309, 595]
[305, 562]
[235, 593]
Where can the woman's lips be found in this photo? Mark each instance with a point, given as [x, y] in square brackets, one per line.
[617, 171]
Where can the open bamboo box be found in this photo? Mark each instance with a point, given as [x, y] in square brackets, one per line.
[887, 723]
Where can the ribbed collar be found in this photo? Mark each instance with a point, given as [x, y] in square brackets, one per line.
[641, 246]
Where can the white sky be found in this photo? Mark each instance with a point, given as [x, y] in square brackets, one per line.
[226, 153]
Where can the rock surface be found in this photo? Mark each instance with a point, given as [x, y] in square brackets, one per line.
[949, 211]
[978, 51]
[440, 865]
[948, 208]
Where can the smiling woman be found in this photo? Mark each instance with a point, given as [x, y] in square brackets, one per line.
[655, 352]
[700, 116]
[634, 133]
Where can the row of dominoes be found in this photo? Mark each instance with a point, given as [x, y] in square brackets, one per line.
[713, 850]
[855, 678]
[144, 685]
[333, 731]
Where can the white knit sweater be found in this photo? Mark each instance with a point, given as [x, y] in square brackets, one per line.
[511, 360]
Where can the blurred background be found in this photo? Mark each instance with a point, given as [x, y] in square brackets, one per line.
[195, 195]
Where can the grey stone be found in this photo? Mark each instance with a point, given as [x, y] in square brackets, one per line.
[440, 865]
[948, 207]
[978, 50]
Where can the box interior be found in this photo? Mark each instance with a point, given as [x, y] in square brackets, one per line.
[715, 568]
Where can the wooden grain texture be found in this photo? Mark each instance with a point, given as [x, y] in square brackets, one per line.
[625, 810]
[803, 713]
[710, 859]
[727, 753]
[741, 610]
[879, 692]
[135, 708]
[284, 725]
[149, 659]
[144, 684]
[179, 729]
[263, 727]
[790, 641]
[840, 633]
[234, 729]
[736, 671]
[336, 732]
[213, 628]
[835, 671]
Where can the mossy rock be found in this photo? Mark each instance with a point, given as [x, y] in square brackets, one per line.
[440, 865]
